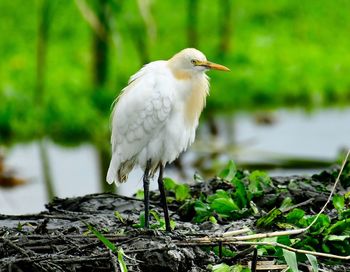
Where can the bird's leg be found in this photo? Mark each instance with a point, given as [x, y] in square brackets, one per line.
[146, 192]
[163, 197]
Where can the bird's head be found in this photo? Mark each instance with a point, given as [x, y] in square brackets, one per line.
[191, 60]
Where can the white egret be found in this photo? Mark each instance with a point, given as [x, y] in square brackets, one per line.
[155, 118]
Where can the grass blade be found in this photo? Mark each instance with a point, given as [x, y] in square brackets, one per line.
[291, 260]
[313, 261]
[103, 239]
[121, 261]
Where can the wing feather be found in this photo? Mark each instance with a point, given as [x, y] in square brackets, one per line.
[139, 113]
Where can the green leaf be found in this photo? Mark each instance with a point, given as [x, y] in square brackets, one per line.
[257, 181]
[345, 214]
[221, 268]
[240, 195]
[213, 219]
[155, 215]
[254, 208]
[218, 194]
[260, 176]
[268, 219]
[320, 225]
[140, 194]
[226, 268]
[198, 178]
[286, 203]
[182, 191]
[291, 260]
[202, 211]
[338, 202]
[169, 184]
[225, 252]
[294, 216]
[141, 223]
[229, 171]
[224, 205]
[313, 261]
[339, 227]
[19, 226]
[103, 239]
[119, 217]
[337, 237]
[121, 261]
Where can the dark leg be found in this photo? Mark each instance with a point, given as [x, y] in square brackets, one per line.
[163, 197]
[146, 192]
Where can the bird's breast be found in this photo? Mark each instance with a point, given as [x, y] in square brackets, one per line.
[195, 101]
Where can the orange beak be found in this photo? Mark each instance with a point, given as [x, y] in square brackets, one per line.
[212, 65]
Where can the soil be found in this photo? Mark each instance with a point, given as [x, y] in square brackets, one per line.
[58, 239]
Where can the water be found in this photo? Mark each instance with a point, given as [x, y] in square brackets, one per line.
[292, 134]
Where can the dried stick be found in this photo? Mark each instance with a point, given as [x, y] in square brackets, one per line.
[208, 239]
[275, 244]
[332, 191]
[298, 205]
[235, 232]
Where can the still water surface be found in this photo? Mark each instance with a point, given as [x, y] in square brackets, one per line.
[318, 135]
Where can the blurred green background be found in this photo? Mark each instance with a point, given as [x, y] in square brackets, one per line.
[63, 62]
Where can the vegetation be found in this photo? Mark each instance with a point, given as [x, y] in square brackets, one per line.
[281, 53]
[219, 224]
[237, 196]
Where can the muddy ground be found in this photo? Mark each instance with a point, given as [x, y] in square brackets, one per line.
[58, 239]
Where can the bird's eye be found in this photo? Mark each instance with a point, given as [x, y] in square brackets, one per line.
[193, 62]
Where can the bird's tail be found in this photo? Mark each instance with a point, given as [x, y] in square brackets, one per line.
[118, 172]
[112, 174]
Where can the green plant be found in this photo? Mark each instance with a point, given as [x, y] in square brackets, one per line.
[159, 224]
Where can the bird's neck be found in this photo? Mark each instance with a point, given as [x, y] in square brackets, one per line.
[194, 90]
[196, 99]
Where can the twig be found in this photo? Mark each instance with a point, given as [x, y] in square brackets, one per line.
[235, 232]
[27, 253]
[275, 244]
[310, 268]
[254, 260]
[208, 239]
[310, 200]
[220, 249]
[58, 259]
[113, 261]
[332, 192]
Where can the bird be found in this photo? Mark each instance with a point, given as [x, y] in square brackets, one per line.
[154, 119]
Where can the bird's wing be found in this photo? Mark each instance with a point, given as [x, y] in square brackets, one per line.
[140, 111]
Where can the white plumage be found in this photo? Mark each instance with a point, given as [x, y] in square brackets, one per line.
[156, 115]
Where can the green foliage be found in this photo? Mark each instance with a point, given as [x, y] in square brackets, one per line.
[234, 203]
[226, 268]
[313, 261]
[269, 219]
[285, 53]
[237, 200]
[229, 171]
[258, 181]
[291, 259]
[121, 261]
[140, 194]
[159, 223]
[119, 217]
[181, 191]
[294, 216]
[226, 252]
[339, 202]
[102, 238]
